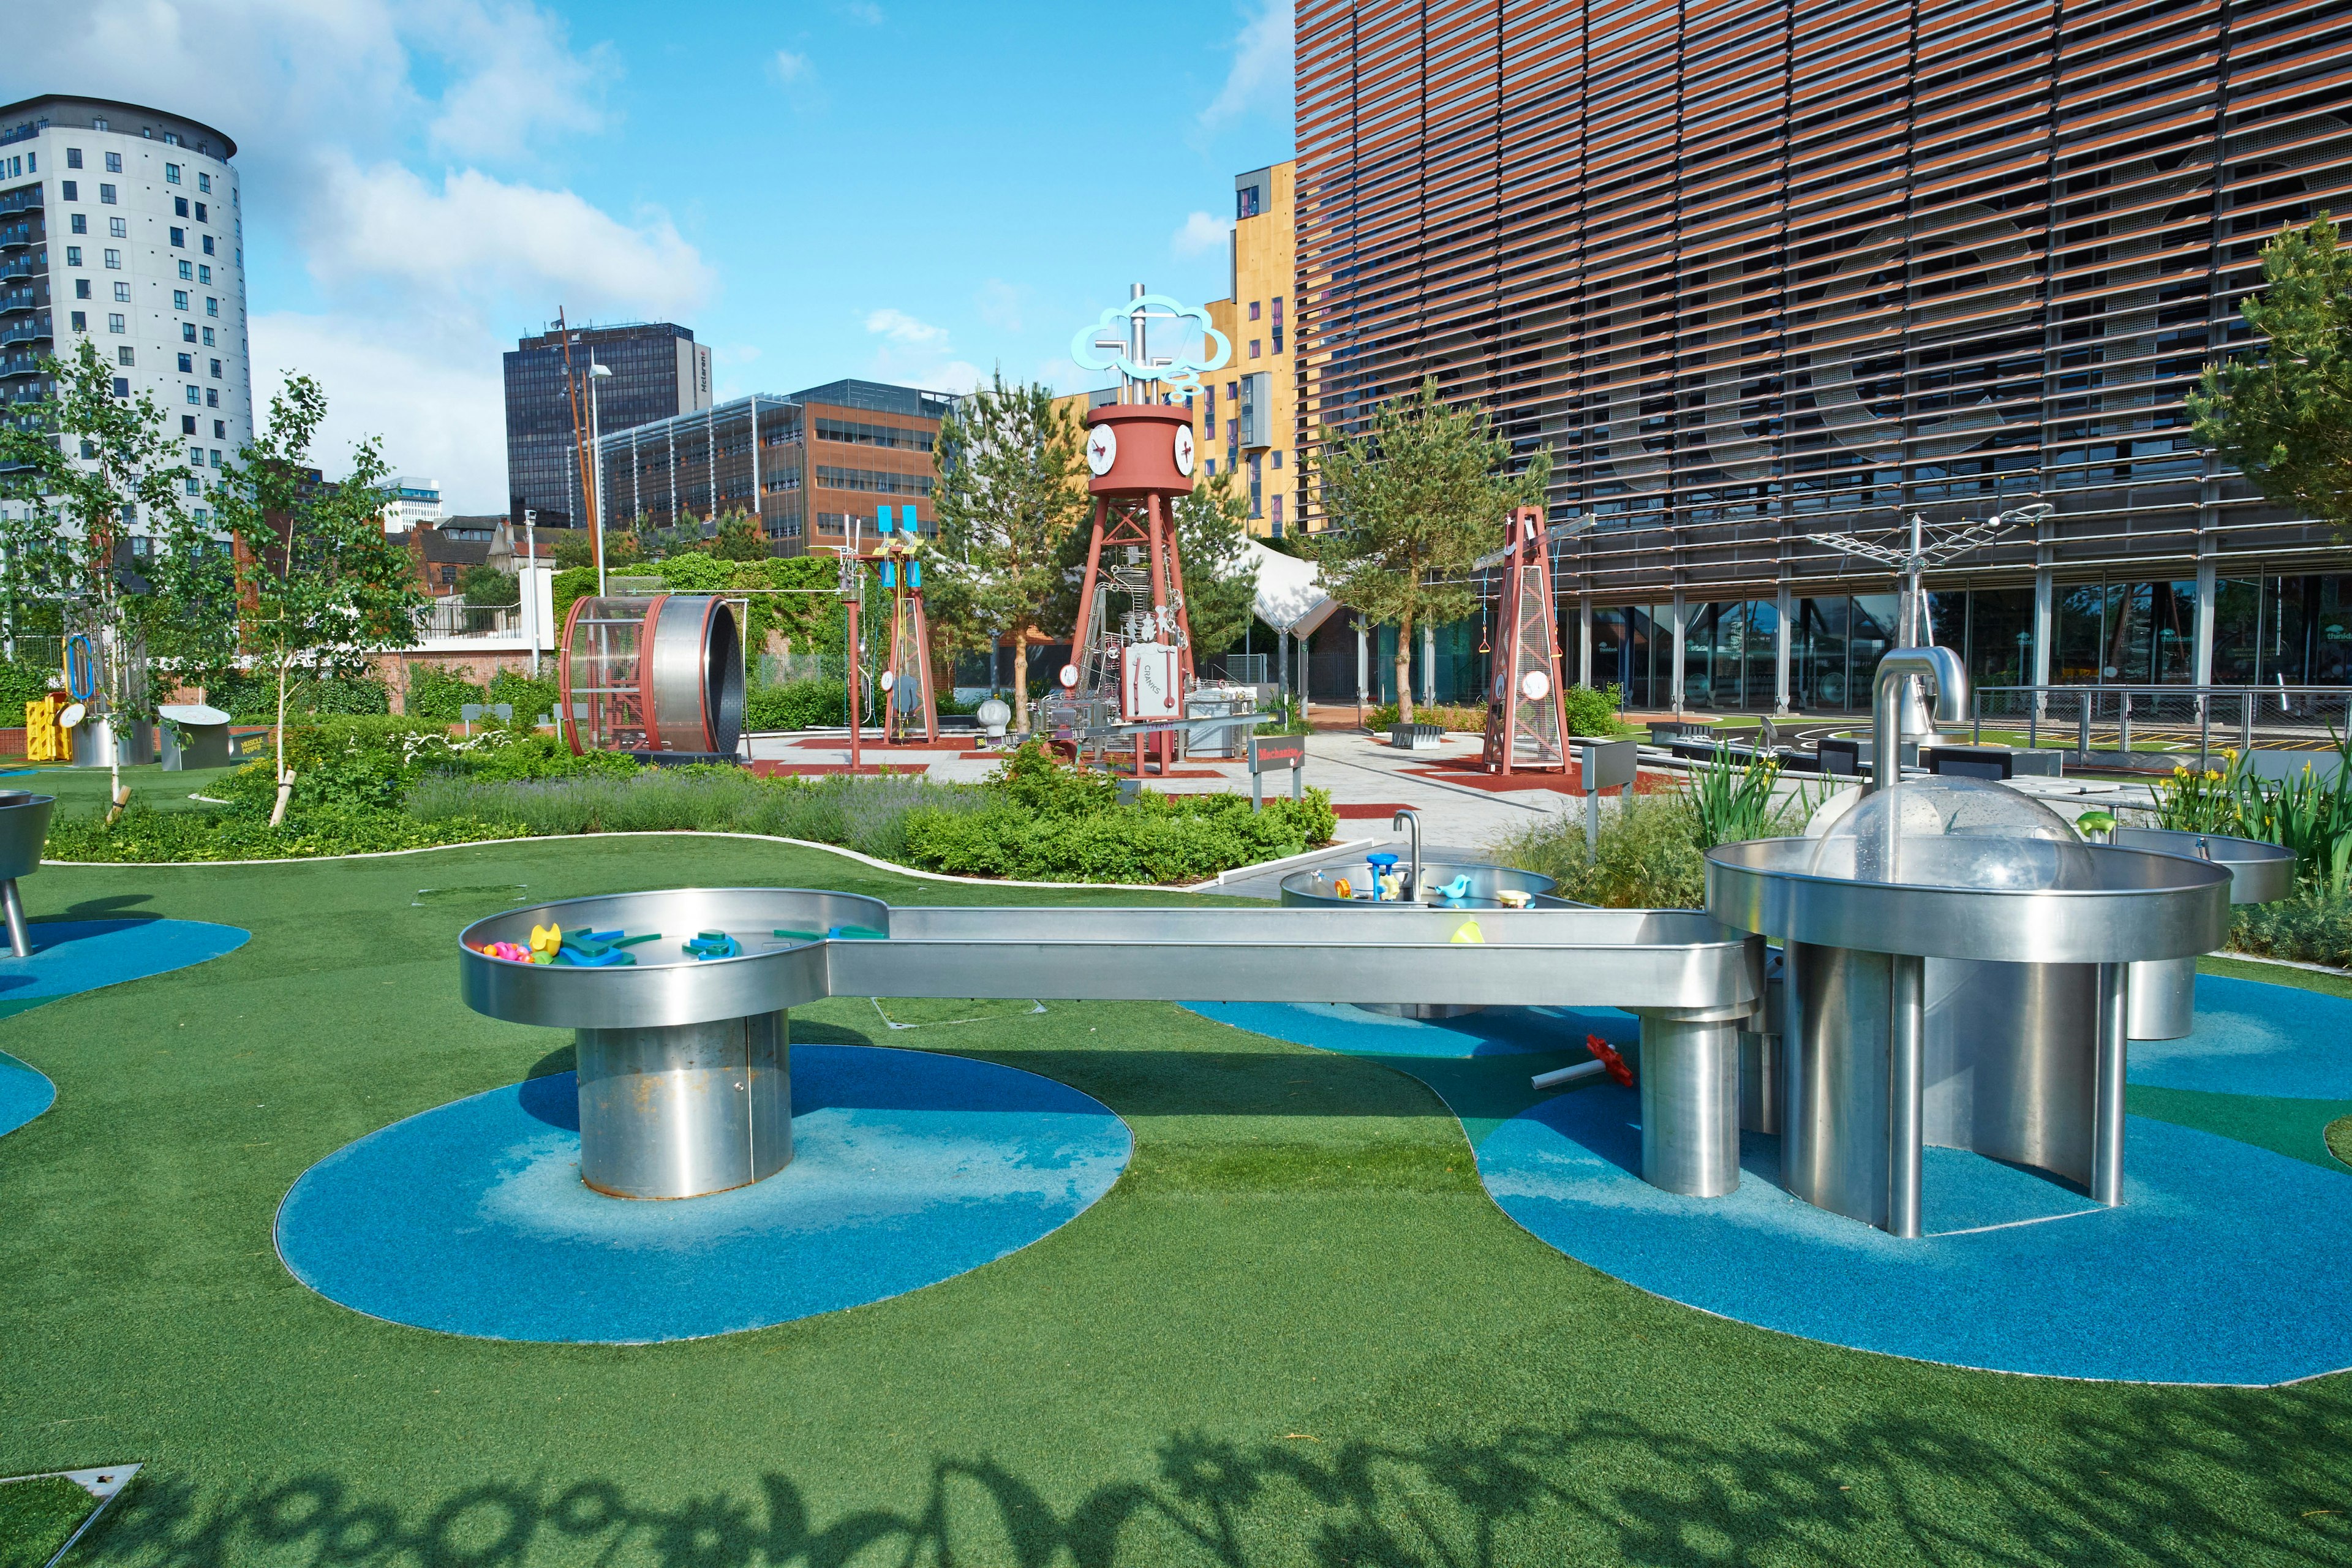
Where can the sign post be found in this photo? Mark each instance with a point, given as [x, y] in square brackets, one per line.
[1268, 753]
[1602, 764]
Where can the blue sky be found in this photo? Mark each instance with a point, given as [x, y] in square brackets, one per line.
[905, 191]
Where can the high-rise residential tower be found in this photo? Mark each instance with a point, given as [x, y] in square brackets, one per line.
[658, 372]
[122, 226]
[1246, 410]
[1754, 273]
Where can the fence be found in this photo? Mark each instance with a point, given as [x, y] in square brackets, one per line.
[2174, 721]
[455, 618]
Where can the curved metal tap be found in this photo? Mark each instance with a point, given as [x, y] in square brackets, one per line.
[1942, 670]
[1406, 817]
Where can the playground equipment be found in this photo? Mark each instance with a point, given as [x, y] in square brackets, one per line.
[1133, 676]
[908, 697]
[2164, 991]
[1525, 709]
[659, 676]
[24, 828]
[1958, 968]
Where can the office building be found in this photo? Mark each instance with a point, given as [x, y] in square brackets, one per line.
[415, 502]
[807, 464]
[1755, 273]
[1247, 413]
[122, 225]
[658, 372]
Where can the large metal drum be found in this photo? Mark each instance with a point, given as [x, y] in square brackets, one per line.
[659, 674]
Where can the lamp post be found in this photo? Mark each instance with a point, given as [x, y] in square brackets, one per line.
[597, 370]
[530, 576]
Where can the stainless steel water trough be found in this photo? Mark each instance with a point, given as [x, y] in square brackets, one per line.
[24, 828]
[684, 1066]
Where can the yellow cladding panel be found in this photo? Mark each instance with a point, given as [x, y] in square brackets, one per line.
[1260, 320]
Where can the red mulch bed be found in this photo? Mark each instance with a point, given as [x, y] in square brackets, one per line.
[768, 769]
[1568, 783]
[1377, 811]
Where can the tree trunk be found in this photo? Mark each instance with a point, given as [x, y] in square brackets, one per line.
[1021, 680]
[285, 779]
[1405, 669]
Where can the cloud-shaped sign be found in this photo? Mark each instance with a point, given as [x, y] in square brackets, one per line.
[1184, 375]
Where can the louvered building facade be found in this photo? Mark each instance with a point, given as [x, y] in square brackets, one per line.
[1754, 271]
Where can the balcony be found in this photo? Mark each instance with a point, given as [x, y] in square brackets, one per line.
[16, 330]
[20, 364]
[28, 199]
[12, 235]
[23, 265]
[454, 620]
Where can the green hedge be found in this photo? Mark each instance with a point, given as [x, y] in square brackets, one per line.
[145, 835]
[252, 698]
[21, 683]
[2310, 928]
[1134, 844]
[796, 705]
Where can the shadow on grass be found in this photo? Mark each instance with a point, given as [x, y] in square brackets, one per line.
[2203, 1477]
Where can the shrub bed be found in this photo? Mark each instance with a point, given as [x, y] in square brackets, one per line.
[2312, 927]
[1589, 713]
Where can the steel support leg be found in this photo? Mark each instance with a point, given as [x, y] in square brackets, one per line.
[20, 941]
[2107, 1105]
[1906, 1080]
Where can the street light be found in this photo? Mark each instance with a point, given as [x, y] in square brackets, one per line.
[530, 578]
[597, 372]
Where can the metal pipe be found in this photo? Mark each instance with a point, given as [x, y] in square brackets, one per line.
[1942, 670]
[1906, 1080]
[1562, 1077]
[1407, 817]
[1689, 1079]
[2107, 1102]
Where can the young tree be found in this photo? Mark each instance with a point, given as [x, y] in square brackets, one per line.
[1219, 573]
[2283, 413]
[92, 467]
[739, 537]
[322, 584]
[1007, 495]
[1412, 504]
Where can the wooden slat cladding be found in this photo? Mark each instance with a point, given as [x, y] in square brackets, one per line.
[1756, 269]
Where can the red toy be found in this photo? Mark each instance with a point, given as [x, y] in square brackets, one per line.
[1610, 1059]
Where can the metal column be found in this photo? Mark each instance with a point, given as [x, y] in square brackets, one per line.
[1674, 672]
[2107, 1182]
[1781, 654]
[1906, 1082]
[1584, 642]
[1690, 1106]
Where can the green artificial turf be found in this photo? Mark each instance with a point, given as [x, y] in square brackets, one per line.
[2339, 1137]
[37, 1516]
[85, 790]
[1296, 1332]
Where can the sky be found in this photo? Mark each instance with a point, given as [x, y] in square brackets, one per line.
[920, 193]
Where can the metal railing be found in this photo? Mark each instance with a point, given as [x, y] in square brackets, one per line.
[2174, 721]
[458, 620]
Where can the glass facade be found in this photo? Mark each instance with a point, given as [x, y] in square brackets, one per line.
[658, 370]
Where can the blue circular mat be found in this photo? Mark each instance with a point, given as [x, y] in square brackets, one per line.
[25, 1093]
[908, 1168]
[2225, 1265]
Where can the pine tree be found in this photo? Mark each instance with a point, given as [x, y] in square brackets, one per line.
[1413, 502]
[2282, 413]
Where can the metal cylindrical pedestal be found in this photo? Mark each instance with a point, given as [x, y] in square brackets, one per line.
[2107, 1182]
[1690, 1106]
[2163, 998]
[680, 1111]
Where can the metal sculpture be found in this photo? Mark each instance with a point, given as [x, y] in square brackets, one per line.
[908, 697]
[1525, 707]
[658, 677]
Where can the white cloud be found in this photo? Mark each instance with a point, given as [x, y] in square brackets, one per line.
[1200, 234]
[914, 352]
[1259, 80]
[905, 331]
[482, 239]
[438, 401]
[791, 68]
[864, 11]
[521, 78]
[999, 304]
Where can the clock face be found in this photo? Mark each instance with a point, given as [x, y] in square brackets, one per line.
[1102, 449]
[1184, 450]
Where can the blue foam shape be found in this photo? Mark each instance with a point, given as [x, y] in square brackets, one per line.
[2258, 1039]
[908, 1168]
[1494, 1032]
[71, 956]
[2223, 1265]
[25, 1093]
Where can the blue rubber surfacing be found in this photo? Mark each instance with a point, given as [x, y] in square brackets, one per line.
[2225, 1265]
[908, 1168]
[73, 956]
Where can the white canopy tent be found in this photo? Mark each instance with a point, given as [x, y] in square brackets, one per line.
[1290, 599]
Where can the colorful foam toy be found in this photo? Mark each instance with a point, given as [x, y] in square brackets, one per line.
[1513, 899]
[1457, 889]
[1610, 1059]
[1342, 888]
[710, 944]
[546, 941]
[512, 952]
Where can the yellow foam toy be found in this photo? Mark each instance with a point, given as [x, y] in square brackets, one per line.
[1468, 932]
